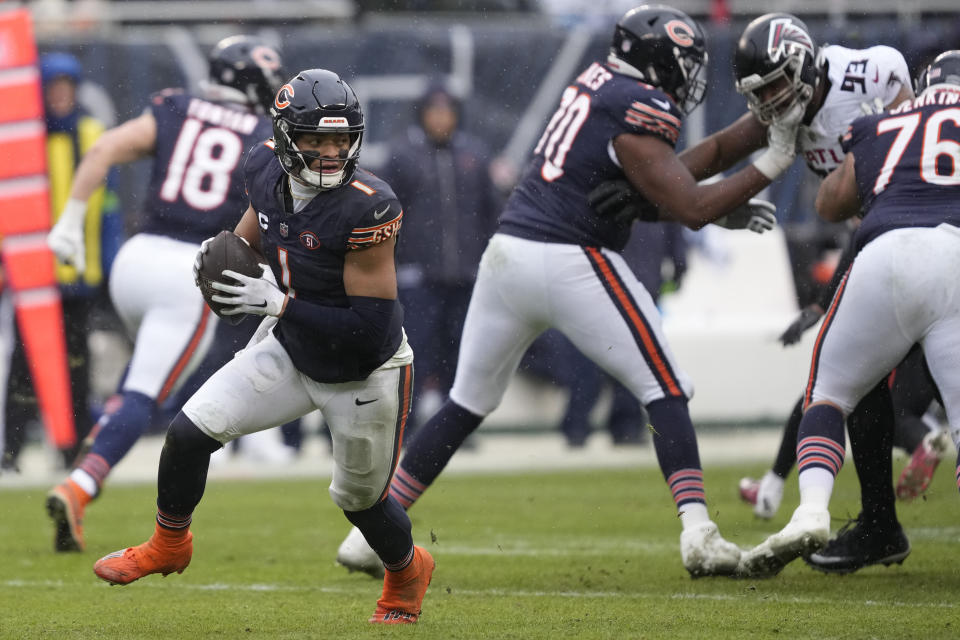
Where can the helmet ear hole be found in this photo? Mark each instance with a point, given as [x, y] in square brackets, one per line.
[665, 48]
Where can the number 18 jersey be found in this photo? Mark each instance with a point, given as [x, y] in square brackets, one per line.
[196, 188]
[575, 154]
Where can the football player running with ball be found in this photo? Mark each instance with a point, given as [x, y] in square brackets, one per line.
[554, 262]
[327, 229]
[900, 171]
[196, 189]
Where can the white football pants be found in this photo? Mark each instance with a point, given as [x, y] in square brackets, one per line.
[152, 289]
[591, 295]
[261, 388]
[901, 289]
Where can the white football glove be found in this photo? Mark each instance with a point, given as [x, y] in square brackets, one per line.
[260, 296]
[199, 259]
[781, 142]
[756, 215]
[872, 107]
[66, 238]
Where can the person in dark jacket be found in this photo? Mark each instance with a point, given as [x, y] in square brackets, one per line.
[441, 175]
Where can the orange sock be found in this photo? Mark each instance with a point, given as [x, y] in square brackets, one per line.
[170, 537]
[410, 571]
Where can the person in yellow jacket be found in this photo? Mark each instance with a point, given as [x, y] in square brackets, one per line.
[70, 132]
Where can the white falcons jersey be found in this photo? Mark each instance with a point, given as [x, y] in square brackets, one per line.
[856, 76]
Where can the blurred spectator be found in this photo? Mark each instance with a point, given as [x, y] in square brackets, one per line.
[441, 176]
[70, 133]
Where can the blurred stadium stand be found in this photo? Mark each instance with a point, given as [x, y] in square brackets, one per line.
[508, 60]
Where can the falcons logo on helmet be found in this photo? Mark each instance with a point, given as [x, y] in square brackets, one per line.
[787, 38]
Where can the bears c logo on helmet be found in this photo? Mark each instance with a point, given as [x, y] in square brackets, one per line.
[680, 32]
[283, 97]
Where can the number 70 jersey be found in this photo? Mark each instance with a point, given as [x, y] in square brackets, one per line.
[575, 154]
[196, 187]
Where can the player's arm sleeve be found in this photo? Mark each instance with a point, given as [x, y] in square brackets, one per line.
[366, 321]
[648, 116]
[378, 223]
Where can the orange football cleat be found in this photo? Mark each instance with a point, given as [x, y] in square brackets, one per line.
[156, 555]
[65, 505]
[403, 590]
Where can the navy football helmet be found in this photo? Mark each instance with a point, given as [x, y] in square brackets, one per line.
[248, 65]
[775, 48]
[665, 48]
[316, 101]
[945, 69]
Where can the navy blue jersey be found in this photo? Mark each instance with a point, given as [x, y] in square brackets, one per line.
[575, 154]
[196, 187]
[306, 251]
[908, 165]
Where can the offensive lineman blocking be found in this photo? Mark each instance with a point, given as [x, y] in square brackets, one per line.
[901, 169]
[776, 63]
[554, 262]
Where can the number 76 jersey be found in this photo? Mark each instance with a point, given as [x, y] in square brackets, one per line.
[908, 164]
[196, 188]
[575, 154]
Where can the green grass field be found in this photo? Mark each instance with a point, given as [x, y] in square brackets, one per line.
[590, 554]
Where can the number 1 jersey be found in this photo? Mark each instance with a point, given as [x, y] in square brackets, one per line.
[196, 188]
[575, 154]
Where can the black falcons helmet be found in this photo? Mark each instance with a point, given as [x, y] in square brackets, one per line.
[775, 47]
[665, 48]
[945, 69]
[249, 65]
[316, 101]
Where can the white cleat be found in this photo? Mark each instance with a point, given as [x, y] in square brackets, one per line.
[769, 496]
[807, 531]
[356, 555]
[706, 553]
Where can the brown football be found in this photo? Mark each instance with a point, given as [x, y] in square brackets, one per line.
[226, 251]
